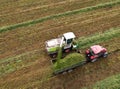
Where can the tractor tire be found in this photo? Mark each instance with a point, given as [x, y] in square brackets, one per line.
[105, 54]
[88, 59]
[94, 60]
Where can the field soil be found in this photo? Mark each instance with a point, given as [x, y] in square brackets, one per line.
[13, 12]
[23, 49]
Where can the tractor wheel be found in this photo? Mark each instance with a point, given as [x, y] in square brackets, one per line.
[88, 59]
[105, 54]
[94, 60]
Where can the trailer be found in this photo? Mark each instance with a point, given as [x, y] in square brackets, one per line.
[69, 63]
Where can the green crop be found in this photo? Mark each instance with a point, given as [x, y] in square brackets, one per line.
[69, 60]
[84, 42]
[109, 83]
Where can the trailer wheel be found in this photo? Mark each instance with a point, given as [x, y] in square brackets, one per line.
[64, 73]
[70, 70]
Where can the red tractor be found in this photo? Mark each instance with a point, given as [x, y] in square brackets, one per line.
[95, 52]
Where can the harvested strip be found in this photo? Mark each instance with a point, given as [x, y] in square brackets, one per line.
[39, 11]
[37, 6]
[11, 27]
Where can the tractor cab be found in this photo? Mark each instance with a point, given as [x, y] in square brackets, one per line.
[95, 52]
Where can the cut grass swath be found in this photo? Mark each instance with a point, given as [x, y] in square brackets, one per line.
[109, 83]
[68, 61]
[28, 23]
[14, 63]
[82, 41]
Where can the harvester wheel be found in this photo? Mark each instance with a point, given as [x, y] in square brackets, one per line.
[53, 55]
[67, 50]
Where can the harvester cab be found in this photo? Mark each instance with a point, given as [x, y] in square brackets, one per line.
[68, 39]
[65, 42]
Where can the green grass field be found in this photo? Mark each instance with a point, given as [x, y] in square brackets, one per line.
[108, 83]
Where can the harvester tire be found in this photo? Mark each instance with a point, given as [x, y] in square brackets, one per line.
[53, 55]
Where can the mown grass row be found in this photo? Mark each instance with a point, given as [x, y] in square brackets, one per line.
[112, 82]
[11, 64]
[13, 58]
[32, 22]
[15, 63]
[84, 42]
